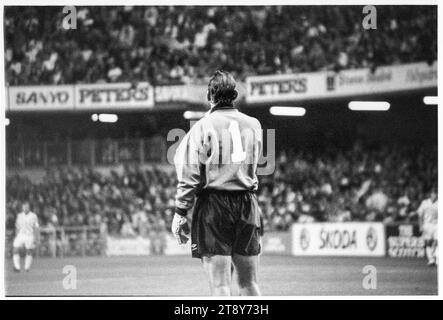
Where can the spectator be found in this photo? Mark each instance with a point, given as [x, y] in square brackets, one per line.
[183, 44]
[359, 184]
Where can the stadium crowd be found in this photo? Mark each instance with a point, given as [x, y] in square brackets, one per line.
[184, 44]
[382, 184]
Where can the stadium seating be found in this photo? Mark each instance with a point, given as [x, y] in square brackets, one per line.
[360, 184]
[166, 45]
[170, 45]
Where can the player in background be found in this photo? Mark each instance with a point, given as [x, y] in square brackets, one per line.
[216, 163]
[428, 218]
[26, 235]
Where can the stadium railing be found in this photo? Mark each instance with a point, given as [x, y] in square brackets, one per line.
[66, 242]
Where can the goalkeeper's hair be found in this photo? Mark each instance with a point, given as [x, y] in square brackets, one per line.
[221, 88]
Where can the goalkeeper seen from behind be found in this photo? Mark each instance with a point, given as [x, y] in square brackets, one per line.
[216, 163]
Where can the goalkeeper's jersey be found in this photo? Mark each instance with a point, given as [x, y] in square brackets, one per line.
[220, 152]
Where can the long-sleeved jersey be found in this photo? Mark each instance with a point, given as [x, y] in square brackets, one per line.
[221, 151]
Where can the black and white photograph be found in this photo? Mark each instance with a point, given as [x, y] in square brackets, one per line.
[219, 149]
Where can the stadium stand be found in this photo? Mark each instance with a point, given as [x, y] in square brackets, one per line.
[359, 184]
[166, 45]
[185, 44]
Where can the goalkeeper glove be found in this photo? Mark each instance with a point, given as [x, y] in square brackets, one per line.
[179, 226]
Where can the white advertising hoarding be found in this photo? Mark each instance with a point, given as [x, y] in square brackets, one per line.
[181, 93]
[108, 96]
[383, 79]
[114, 96]
[338, 239]
[345, 83]
[128, 246]
[258, 89]
[289, 87]
[38, 98]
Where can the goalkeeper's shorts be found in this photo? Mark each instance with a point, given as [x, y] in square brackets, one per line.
[226, 222]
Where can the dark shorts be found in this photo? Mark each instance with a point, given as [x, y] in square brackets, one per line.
[226, 222]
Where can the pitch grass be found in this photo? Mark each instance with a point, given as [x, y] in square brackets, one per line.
[183, 276]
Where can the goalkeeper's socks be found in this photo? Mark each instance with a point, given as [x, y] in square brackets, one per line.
[16, 261]
[28, 262]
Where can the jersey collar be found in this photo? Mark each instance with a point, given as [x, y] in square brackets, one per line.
[222, 107]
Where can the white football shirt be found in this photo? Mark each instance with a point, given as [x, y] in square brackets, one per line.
[428, 211]
[26, 223]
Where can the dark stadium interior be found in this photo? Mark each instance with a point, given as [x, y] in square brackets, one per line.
[407, 121]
